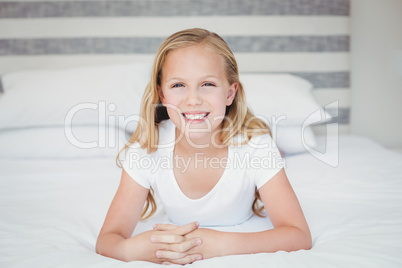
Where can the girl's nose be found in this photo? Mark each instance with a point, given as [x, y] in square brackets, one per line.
[193, 97]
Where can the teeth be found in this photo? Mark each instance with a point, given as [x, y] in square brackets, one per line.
[194, 116]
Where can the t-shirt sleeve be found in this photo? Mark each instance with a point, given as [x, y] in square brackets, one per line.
[133, 165]
[266, 160]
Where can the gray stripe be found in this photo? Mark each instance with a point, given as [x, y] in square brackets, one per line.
[288, 43]
[70, 46]
[1, 86]
[255, 44]
[323, 80]
[53, 126]
[172, 8]
[327, 79]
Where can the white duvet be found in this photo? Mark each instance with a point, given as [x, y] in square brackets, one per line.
[51, 211]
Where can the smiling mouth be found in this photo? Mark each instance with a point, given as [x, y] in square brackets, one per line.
[199, 116]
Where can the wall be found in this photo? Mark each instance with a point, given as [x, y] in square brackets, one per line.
[308, 38]
[376, 76]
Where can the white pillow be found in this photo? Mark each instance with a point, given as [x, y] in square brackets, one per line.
[54, 143]
[281, 95]
[290, 141]
[46, 97]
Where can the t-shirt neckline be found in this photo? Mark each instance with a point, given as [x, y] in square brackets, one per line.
[172, 137]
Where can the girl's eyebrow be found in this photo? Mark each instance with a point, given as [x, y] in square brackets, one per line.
[173, 78]
[211, 76]
[202, 78]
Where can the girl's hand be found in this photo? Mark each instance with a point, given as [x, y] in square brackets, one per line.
[174, 244]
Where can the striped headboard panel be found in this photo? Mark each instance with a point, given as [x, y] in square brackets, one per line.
[309, 38]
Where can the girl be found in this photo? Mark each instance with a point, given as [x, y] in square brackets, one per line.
[205, 155]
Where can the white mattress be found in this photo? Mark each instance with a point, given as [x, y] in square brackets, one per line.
[51, 211]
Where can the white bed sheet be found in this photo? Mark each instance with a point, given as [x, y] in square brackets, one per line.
[51, 211]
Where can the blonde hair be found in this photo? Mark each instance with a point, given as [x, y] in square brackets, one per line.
[238, 120]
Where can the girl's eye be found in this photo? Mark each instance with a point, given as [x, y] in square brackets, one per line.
[207, 84]
[178, 85]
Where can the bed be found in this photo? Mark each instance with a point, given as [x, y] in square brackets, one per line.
[52, 210]
[72, 75]
[58, 173]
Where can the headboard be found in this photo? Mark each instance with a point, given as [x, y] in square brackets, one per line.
[308, 38]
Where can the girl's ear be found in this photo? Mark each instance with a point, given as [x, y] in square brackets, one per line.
[231, 94]
[160, 93]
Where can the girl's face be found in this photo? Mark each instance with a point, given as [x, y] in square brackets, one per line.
[195, 90]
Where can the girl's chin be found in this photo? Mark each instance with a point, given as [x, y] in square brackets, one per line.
[201, 133]
[201, 124]
[199, 140]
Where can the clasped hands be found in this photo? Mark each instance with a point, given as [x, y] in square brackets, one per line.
[177, 244]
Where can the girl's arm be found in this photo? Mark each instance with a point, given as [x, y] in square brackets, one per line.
[115, 239]
[290, 231]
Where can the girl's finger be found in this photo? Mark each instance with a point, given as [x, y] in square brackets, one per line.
[187, 259]
[185, 246]
[167, 238]
[176, 257]
[185, 229]
[182, 230]
[165, 227]
[169, 255]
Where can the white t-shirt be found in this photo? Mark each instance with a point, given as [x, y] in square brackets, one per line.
[229, 202]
